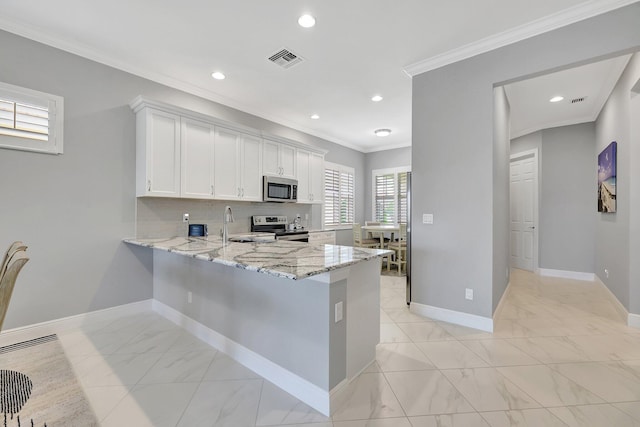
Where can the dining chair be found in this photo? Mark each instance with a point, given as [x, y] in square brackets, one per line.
[8, 281]
[13, 249]
[363, 243]
[400, 248]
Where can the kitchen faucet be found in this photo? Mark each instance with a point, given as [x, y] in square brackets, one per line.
[227, 217]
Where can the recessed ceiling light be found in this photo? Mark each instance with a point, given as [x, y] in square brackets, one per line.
[556, 99]
[218, 75]
[307, 21]
[315, 116]
[376, 98]
[382, 132]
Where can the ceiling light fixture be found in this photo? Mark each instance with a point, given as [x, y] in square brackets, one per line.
[306, 21]
[382, 132]
[376, 98]
[315, 116]
[556, 98]
[218, 75]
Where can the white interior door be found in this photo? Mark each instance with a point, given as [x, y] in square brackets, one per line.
[524, 210]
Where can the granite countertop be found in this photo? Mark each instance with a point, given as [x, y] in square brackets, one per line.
[291, 260]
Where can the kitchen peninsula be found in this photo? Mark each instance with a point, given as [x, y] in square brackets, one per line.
[306, 317]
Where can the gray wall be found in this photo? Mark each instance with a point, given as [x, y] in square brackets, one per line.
[452, 152]
[612, 229]
[74, 209]
[567, 182]
[501, 205]
[568, 198]
[394, 158]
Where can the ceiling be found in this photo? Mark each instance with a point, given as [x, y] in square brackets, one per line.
[588, 86]
[357, 49]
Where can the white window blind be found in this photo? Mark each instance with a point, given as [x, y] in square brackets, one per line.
[390, 195]
[339, 195]
[30, 120]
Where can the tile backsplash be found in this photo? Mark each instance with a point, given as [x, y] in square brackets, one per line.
[162, 217]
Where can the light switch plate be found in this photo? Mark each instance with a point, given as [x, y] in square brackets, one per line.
[338, 311]
[427, 218]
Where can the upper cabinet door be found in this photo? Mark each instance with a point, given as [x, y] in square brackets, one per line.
[251, 168]
[278, 159]
[226, 158]
[158, 154]
[303, 163]
[316, 178]
[197, 177]
[287, 161]
[270, 158]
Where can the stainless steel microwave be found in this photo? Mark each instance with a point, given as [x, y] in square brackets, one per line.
[277, 189]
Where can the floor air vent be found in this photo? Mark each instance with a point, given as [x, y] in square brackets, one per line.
[285, 58]
[576, 100]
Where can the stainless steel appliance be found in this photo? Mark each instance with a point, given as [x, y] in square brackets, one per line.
[279, 226]
[277, 189]
[408, 238]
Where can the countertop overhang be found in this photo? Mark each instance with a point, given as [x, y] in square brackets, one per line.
[287, 259]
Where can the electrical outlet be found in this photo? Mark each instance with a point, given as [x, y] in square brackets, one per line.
[427, 218]
[185, 217]
[468, 294]
[338, 311]
[606, 273]
[189, 297]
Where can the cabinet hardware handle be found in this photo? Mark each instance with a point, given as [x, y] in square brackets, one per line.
[149, 185]
[243, 192]
[212, 190]
[238, 191]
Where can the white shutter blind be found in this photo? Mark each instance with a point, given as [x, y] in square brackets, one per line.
[346, 198]
[331, 196]
[385, 196]
[24, 120]
[402, 198]
[339, 196]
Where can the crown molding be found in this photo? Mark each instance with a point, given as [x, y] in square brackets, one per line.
[87, 52]
[552, 22]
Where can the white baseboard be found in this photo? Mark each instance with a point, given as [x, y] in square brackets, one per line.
[633, 320]
[451, 316]
[565, 274]
[78, 319]
[307, 392]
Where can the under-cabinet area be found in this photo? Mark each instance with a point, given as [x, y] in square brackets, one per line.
[185, 154]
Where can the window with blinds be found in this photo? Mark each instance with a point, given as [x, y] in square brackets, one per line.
[390, 196]
[339, 195]
[30, 120]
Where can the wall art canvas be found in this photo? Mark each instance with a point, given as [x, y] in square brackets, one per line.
[607, 178]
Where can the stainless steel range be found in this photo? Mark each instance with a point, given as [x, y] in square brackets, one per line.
[279, 226]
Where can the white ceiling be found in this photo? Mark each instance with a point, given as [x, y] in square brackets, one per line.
[529, 99]
[357, 49]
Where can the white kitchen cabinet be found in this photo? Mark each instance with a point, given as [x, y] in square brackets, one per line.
[157, 153]
[310, 168]
[197, 162]
[322, 237]
[251, 168]
[237, 166]
[278, 159]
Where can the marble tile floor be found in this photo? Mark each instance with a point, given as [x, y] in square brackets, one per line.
[559, 356]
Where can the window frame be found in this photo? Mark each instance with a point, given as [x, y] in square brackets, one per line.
[341, 169]
[55, 109]
[396, 196]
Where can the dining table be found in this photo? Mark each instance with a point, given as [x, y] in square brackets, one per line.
[382, 229]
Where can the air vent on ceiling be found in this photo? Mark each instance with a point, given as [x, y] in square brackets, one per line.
[285, 58]
[576, 100]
